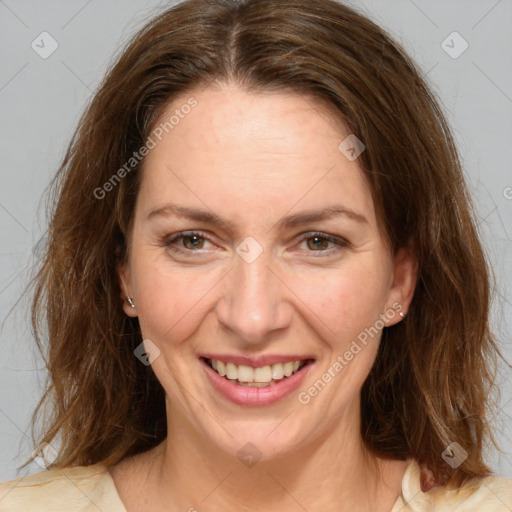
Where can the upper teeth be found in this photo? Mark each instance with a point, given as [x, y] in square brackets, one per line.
[262, 374]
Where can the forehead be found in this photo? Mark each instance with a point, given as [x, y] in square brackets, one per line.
[239, 152]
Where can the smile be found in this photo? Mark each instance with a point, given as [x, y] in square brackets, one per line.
[260, 377]
[255, 382]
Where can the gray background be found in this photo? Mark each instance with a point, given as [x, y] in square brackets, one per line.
[41, 99]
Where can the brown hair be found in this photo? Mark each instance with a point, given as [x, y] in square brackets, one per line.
[430, 383]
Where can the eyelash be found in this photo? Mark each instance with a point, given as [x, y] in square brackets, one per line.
[340, 242]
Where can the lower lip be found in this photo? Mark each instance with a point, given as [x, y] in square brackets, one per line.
[243, 395]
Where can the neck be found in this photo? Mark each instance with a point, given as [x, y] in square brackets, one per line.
[330, 474]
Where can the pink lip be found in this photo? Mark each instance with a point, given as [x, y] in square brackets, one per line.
[257, 362]
[242, 395]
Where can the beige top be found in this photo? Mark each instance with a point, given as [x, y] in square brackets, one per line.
[91, 489]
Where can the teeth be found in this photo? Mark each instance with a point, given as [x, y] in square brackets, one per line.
[231, 371]
[277, 371]
[263, 374]
[246, 375]
[288, 369]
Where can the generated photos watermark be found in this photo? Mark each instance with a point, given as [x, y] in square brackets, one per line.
[351, 147]
[147, 352]
[137, 156]
[304, 397]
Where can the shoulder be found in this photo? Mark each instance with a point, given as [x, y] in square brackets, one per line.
[489, 494]
[78, 488]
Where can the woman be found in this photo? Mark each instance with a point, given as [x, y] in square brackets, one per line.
[264, 287]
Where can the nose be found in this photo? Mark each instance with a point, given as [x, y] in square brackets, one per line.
[255, 303]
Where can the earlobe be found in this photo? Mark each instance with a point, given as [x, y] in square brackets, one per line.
[405, 274]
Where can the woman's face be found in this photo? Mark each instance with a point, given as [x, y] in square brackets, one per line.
[255, 243]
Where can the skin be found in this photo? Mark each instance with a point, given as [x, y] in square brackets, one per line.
[253, 159]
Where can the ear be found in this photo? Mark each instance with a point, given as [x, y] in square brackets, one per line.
[405, 274]
[124, 280]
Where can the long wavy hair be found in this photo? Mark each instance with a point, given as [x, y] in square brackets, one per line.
[432, 379]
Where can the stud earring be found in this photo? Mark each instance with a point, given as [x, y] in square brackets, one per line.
[401, 314]
[128, 298]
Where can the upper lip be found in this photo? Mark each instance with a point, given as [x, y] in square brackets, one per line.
[257, 361]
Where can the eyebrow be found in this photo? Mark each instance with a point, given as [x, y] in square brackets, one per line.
[290, 221]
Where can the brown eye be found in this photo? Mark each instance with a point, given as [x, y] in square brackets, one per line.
[317, 243]
[197, 242]
[185, 243]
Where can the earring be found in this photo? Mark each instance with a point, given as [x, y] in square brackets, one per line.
[401, 314]
[128, 298]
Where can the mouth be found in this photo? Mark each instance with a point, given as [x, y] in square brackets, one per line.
[257, 377]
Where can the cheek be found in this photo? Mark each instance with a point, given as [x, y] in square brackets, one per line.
[343, 301]
[172, 302]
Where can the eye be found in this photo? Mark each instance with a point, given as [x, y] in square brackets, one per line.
[192, 241]
[318, 242]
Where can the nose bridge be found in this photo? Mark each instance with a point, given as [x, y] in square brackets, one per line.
[253, 304]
